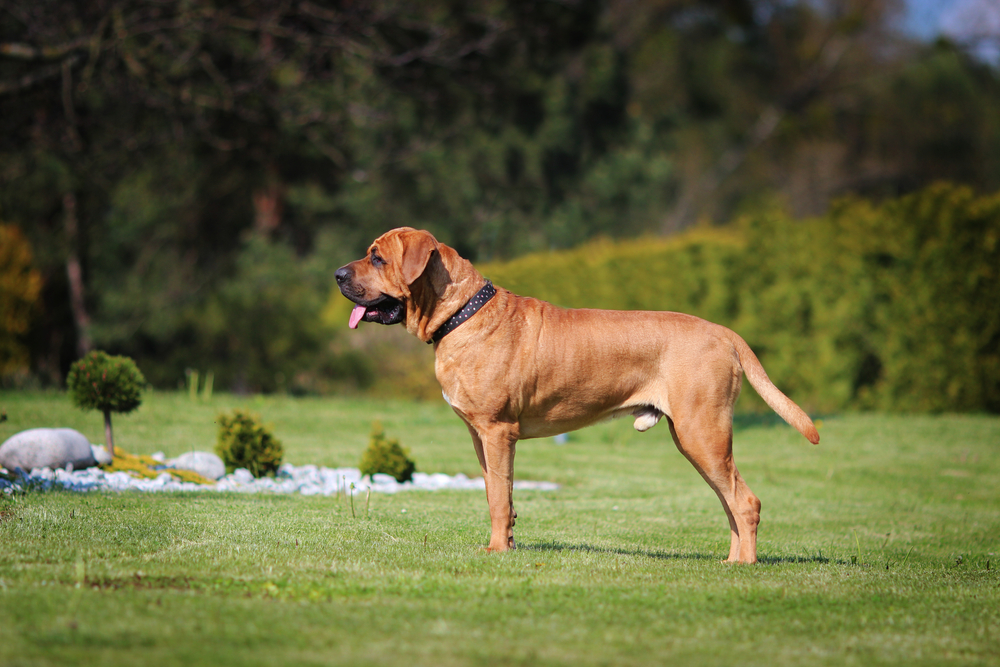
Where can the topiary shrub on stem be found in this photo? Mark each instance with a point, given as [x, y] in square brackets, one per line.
[244, 442]
[99, 381]
[387, 457]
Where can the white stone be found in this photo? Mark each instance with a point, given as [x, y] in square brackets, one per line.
[304, 480]
[47, 448]
[101, 455]
[242, 476]
[206, 464]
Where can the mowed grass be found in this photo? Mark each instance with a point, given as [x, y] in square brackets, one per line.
[880, 546]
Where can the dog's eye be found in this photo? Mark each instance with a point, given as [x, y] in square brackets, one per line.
[376, 260]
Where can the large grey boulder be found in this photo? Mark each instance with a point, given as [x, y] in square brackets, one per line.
[47, 448]
[204, 463]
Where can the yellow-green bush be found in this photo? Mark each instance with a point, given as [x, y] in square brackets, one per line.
[693, 273]
[890, 306]
[244, 442]
[387, 457]
[147, 467]
[939, 327]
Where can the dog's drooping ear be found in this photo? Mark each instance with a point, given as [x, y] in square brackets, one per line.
[420, 246]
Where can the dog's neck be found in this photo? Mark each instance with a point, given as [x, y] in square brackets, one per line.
[471, 307]
[446, 286]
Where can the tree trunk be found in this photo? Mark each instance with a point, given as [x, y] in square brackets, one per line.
[75, 275]
[109, 438]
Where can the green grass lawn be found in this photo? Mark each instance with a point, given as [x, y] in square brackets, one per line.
[880, 546]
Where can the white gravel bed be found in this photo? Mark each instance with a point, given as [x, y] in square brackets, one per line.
[308, 480]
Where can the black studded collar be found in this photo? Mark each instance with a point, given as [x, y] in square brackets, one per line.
[480, 299]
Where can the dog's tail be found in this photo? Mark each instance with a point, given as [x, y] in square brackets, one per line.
[780, 403]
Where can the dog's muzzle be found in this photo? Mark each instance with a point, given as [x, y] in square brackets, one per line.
[382, 310]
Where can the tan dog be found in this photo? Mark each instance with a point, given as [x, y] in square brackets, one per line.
[514, 367]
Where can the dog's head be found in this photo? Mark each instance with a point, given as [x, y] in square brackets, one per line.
[408, 277]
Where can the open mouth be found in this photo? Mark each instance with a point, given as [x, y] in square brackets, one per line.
[384, 310]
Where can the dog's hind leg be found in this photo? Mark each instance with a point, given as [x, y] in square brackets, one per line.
[706, 441]
[495, 448]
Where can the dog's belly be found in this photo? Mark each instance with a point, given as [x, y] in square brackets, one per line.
[544, 408]
[647, 416]
[572, 407]
[616, 369]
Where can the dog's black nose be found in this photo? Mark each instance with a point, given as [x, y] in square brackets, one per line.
[343, 274]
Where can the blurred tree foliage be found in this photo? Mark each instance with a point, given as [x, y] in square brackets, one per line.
[188, 172]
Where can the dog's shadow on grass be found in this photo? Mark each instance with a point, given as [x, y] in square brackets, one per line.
[668, 555]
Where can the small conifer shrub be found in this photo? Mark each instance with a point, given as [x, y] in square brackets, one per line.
[387, 457]
[244, 442]
[99, 381]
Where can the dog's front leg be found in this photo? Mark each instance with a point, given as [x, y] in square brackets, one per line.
[495, 446]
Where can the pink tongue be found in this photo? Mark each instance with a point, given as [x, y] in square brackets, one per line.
[356, 315]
